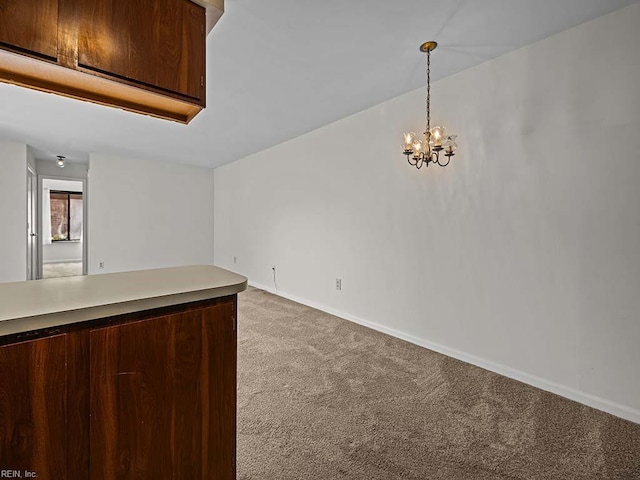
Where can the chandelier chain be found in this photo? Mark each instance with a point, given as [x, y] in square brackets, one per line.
[428, 130]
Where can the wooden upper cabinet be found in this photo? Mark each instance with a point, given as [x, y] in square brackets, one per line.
[32, 26]
[158, 43]
[146, 56]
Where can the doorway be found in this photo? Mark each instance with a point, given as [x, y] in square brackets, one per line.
[61, 245]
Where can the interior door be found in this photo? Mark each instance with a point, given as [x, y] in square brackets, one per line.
[32, 245]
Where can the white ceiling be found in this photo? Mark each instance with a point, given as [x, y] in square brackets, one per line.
[277, 69]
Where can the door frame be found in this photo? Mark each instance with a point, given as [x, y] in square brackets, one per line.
[85, 217]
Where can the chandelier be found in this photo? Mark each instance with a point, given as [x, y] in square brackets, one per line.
[423, 151]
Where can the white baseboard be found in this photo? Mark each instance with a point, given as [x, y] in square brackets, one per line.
[593, 401]
[69, 260]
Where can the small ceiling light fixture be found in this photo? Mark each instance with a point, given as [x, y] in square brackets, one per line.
[60, 161]
[425, 151]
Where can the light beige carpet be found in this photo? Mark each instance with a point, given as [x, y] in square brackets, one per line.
[61, 269]
[322, 398]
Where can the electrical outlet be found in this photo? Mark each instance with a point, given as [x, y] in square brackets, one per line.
[101, 265]
[235, 260]
[338, 284]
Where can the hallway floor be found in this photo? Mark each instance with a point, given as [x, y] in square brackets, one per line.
[63, 269]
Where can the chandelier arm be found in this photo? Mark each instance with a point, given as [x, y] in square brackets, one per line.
[448, 160]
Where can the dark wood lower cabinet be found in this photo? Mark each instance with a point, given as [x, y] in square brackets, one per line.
[142, 396]
[32, 408]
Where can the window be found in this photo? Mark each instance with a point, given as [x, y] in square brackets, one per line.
[66, 215]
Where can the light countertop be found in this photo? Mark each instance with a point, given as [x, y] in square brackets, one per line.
[37, 304]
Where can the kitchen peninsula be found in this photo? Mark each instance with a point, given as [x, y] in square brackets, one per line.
[124, 375]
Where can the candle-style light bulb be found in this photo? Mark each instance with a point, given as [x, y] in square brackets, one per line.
[408, 141]
[450, 145]
[417, 148]
[437, 134]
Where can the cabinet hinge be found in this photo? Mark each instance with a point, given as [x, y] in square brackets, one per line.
[202, 80]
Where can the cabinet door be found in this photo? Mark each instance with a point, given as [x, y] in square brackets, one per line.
[30, 25]
[33, 407]
[163, 397]
[159, 43]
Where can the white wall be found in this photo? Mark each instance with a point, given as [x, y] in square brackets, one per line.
[13, 211]
[521, 256]
[146, 214]
[56, 184]
[31, 159]
[57, 252]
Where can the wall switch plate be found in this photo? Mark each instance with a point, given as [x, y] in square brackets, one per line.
[338, 284]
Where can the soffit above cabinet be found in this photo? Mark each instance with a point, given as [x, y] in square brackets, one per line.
[215, 9]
